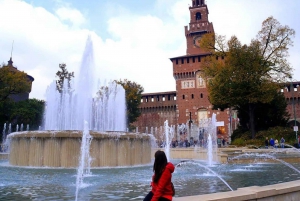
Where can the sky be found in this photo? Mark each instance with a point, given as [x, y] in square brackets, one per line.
[132, 39]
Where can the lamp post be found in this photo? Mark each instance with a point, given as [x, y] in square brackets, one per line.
[295, 119]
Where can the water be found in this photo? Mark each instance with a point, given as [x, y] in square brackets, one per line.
[168, 134]
[208, 169]
[103, 108]
[4, 133]
[209, 150]
[133, 183]
[84, 168]
[79, 107]
[264, 156]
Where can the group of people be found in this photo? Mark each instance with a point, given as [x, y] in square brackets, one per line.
[274, 143]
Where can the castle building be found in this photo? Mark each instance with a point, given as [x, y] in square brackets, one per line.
[189, 104]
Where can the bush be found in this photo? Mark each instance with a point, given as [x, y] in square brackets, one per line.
[240, 138]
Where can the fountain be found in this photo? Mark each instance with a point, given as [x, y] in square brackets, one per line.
[83, 130]
[59, 145]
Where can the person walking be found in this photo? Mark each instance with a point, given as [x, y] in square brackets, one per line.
[267, 143]
[276, 143]
[282, 141]
[272, 142]
[162, 187]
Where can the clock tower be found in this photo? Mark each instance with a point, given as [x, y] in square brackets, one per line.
[192, 102]
[198, 26]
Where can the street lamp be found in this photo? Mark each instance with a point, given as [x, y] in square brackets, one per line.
[292, 88]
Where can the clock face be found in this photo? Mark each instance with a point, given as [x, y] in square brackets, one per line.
[197, 41]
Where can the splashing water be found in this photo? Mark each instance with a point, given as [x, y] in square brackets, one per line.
[210, 170]
[4, 133]
[85, 159]
[209, 151]
[265, 156]
[169, 134]
[75, 104]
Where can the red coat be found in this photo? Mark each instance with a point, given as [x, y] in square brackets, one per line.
[163, 187]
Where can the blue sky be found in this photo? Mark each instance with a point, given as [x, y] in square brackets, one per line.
[132, 39]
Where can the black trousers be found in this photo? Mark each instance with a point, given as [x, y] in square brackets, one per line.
[150, 195]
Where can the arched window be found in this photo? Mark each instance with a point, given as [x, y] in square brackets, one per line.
[183, 96]
[198, 16]
[201, 95]
[192, 96]
[197, 2]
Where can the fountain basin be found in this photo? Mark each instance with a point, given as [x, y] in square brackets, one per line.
[62, 148]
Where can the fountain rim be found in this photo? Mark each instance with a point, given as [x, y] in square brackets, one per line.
[78, 134]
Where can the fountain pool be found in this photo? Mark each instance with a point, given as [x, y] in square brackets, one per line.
[133, 183]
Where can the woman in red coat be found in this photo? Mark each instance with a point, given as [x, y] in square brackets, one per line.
[161, 180]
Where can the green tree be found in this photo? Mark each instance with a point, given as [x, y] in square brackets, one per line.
[12, 82]
[63, 75]
[268, 115]
[133, 93]
[28, 112]
[249, 74]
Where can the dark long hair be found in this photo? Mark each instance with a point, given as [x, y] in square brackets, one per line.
[159, 165]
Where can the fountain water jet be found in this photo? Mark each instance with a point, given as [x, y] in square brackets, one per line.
[59, 144]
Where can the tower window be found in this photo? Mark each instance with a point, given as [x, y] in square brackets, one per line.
[182, 61]
[201, 95]
[183, 96]
[197, 2]
[198, 15]
[193, 59]
[199, 59]
[192, 96]
[188, 60]
[176, 61]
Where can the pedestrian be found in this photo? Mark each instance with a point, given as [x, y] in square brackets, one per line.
[162, 187]
[276, 143]
[223, 142]
[272, 143]
[267, 143]
[282, 141]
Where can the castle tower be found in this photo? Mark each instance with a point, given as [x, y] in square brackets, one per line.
[192, 95]
[198, 26]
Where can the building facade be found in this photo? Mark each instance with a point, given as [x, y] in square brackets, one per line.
[189, 104]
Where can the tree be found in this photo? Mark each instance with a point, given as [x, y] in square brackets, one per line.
[28, 112]
[62, 76]
[249, 74]
[133, 93]
[267, 114]
[12, 82]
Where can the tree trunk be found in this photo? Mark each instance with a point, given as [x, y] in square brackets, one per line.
[251, 120]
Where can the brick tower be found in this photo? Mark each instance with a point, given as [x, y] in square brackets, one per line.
[192, 95]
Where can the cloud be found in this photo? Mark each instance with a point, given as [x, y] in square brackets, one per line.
[41, 41]
[71, 15]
